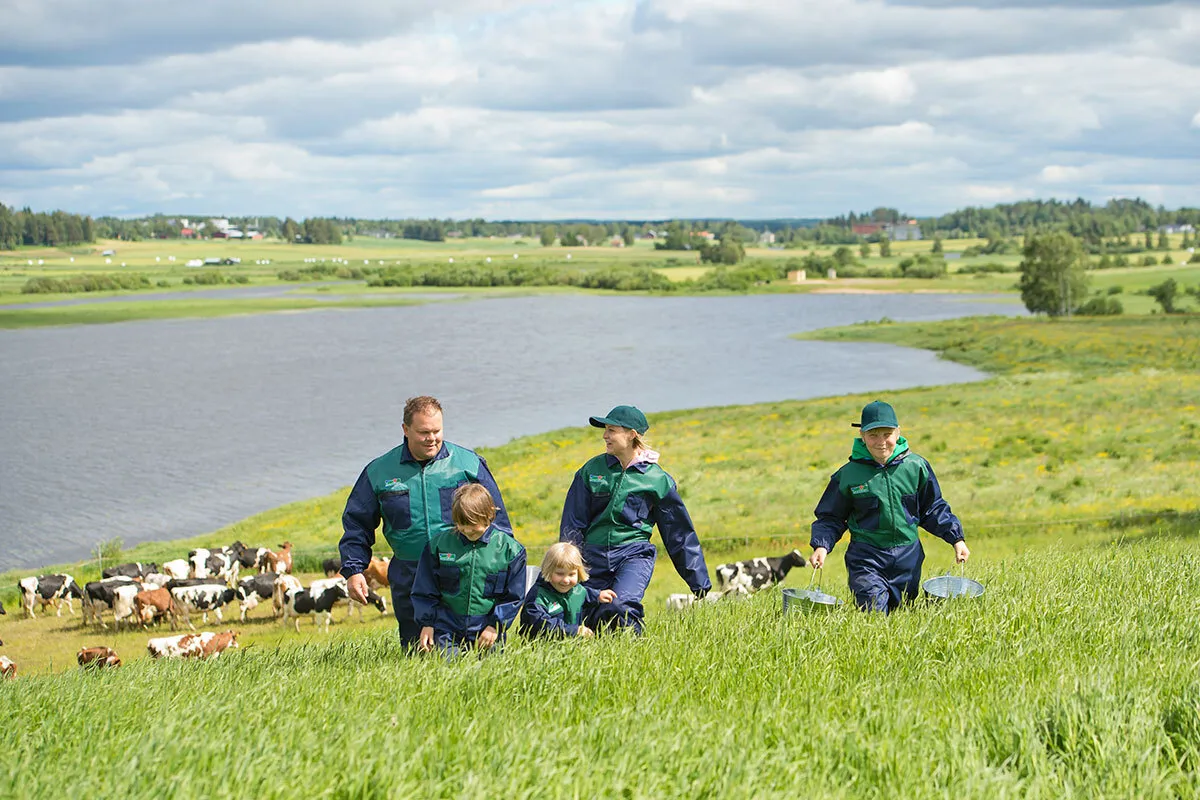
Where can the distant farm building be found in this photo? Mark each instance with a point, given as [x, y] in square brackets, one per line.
[908, 231]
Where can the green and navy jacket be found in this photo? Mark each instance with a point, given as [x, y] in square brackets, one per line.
[883, 505]
[461, 587]
[608, 507]
[413, 501]
[549, 612]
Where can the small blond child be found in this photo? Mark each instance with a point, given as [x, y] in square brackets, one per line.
[558, 604]
[470, 580]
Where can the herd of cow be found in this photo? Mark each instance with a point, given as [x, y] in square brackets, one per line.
[206, 581]
[145, 594]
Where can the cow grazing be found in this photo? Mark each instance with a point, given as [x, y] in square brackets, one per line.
[332, 566]
[179, 569]
[150, 605]
[283, 584]
[202, 597]
[98, 657]
[280, 561]
[678, 602]
[747, 577]
[220, 564]
[134, 569]
[48, 590]
[376, 573]
[115, 593]
[7, 668]
[251, 591]
[192, 645]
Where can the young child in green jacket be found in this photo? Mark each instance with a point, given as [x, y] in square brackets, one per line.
[558, 604]
[882, 495]
[470, 581]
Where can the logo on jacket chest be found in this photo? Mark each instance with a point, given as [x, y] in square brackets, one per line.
[394, 485]
[598, 483]
[860, 489]
[554, 608]
[448, 558]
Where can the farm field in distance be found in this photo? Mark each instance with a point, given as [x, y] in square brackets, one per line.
[151, 259]
[1074, 471]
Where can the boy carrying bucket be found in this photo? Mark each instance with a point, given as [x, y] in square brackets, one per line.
[882, 494]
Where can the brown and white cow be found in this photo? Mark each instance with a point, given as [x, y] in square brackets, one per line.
[97, 657]
[284, 584]
[192, 645]
[280, 561]
[7, 668]
[48, 590]
[376, 573]
[150, 605]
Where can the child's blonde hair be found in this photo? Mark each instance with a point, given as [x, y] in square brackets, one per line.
[564, 556]
[472, 506]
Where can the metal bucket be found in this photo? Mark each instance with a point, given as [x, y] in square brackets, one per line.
[810, 599]
[950, 587]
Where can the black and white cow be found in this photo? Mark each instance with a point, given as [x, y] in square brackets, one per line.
[134, 569]
[332, 566]
[320, 598]
[221, 564]
[203, 597]
[747, 577]
[249, 557]
[115, 593]
[48, 590]
[251, 591]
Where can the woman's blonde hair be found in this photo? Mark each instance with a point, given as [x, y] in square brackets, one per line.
[564, 556]
[472, 506]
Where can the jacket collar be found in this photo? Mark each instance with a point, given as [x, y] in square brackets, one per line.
[641, 462]
[487, 536]
[406, 454]
[860, 453]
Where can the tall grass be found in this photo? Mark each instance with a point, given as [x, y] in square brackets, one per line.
[1073, 676]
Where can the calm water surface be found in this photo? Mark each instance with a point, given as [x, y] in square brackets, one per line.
[165, 429]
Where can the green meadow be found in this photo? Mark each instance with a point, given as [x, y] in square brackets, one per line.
[261, 263]
[1075, 472]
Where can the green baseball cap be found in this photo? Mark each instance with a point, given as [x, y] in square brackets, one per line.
[877, 415]
[623, 417]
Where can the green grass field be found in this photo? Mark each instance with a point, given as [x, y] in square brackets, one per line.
[1074, 471]
[151, 259]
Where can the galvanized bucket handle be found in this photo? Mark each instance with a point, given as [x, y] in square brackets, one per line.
[817, 574]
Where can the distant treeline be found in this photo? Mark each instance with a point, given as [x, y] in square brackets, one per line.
[1091, 223]
[29, 228]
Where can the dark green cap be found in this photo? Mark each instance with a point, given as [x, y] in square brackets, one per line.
[877, 415]
[623, 417]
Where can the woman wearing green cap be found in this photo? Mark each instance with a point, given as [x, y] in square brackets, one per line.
[882, 495]
[613, 504]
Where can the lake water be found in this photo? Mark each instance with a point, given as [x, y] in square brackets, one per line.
[166, 429]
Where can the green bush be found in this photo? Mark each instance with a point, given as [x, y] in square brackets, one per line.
[923, 266]
[1101, 307]
[989, 267]
[86, 283]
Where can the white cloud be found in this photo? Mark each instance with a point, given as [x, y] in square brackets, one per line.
[555, 108]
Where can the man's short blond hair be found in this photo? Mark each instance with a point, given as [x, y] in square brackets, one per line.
[563, 556]
[423, 404]
[472, 506]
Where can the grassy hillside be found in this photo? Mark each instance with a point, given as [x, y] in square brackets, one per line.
[1075, 472]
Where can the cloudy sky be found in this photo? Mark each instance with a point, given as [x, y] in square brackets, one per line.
[635, 109]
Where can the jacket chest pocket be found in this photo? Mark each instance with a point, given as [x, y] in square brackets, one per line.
[636, 512]
[866, 511]
[446, 500]
[396, 508]
[597, 504]
[449, 578]
[495, 585]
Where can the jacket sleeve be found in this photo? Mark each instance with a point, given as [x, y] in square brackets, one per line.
[488, 482]
[679, 537]
[575, 520]
[359, 521]
[936, 516]
[425, 593]
[506, 608]
[832, 513]
[536, 622]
